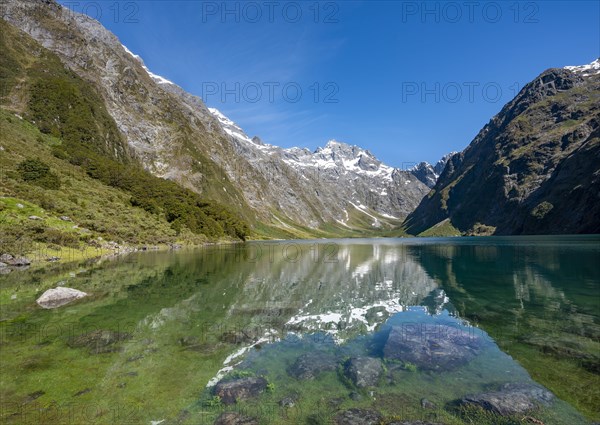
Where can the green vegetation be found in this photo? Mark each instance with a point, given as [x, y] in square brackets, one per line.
[214, 401]
[410, 367]
[37, 172]
[541, 210]
[82, 168]
[442, 229]
[480, 229]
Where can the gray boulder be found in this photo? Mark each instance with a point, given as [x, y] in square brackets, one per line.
[20, 262]
[14, 261]
[240, 389]
[234, 418]
[510, 399]
[363, 371]
[358, 417]
[310, 365]
[59, 296]
[432, 347]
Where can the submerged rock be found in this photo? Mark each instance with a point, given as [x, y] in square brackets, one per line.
[289, 401]
[510, 399]
[426, 404]
[310, 365]
[59, 296]
[363, 371]
[234, 418]
[358, 417]
[99, 341]
[432, 347]
[240, 389]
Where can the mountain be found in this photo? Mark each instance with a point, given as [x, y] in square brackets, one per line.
[68, 177]
[347, 182]
[533, 169]
[428, 174]
[337, 190]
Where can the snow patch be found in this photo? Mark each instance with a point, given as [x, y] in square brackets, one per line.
[586, 70]
[157, 78]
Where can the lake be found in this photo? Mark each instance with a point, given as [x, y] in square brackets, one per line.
[404, 329]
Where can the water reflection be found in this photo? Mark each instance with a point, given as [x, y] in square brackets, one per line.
[194, 316]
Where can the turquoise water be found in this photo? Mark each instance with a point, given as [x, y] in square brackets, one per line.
[159, 329]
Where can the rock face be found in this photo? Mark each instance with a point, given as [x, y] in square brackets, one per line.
[533, 169]
[240, 389]
[428, 174]
[99, 341]
[511, 399]
[310, 365]
[358, 417]
[59, 296]
[432, 347]
[234, 418]
[363, 371]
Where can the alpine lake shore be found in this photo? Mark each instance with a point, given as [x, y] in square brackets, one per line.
[350, 331]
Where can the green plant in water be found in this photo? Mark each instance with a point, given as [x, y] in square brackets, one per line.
[270, 387]
[213, 402]
[410, 367]
[239, 374]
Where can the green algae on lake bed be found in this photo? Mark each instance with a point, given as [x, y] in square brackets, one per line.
[158, 327]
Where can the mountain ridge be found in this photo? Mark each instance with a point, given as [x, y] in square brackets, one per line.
[532, 169]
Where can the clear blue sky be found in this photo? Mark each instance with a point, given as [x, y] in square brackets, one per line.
[395, 68]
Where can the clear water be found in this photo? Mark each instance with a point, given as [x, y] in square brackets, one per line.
[190, 318]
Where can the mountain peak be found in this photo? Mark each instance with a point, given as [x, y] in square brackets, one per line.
[586, 70]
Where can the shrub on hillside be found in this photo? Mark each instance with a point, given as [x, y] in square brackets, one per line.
[37, 172]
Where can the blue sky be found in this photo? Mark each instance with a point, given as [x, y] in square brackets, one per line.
[410, 81]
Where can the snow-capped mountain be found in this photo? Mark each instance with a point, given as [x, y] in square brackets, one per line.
[429, 174]
[586, 70]
[341, 179]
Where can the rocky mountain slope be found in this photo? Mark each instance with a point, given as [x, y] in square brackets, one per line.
[429, 174]
[533, 169]
[67, 178]
[284, 192]
[346, 181]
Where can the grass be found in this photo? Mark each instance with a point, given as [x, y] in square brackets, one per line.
[442, 229]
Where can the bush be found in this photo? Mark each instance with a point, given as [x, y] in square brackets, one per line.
[37, 172]
[541, 210]
[33, 169]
